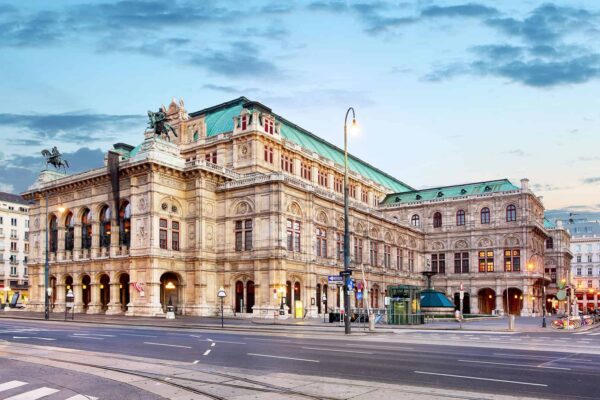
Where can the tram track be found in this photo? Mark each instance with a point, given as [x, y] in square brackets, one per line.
[171, 380]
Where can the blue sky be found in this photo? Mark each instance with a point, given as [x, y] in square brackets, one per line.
[445, 91]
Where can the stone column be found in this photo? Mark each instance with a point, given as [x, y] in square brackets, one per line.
[60, 243]
[77, 242]
[114, 238]
[78, 293]
[527, 301]
[114, 305]
[59, 306]
[94, 307]
[95, 249]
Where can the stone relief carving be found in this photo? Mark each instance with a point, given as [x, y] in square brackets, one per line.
[242, 208]
[511, 241]
[461, 244]
[36, 223]
[244, 152]
[142, 231]
[209, 236]
[142, 204]
[209, 208]
[437, 246]
[192, 208]
[171, 182]
[485, 242]
[191, 234]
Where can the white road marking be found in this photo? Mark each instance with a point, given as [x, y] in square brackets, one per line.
[32, 337]
[207, 352]
[513, 365]
[196, 336]
[196, 362]
[594, 334]
[82, 397]
[480, 379]
[92, 334]
[225, 341]
[284, 358]
[340, 351]
[168, 345]
[86, 337]
[11, 385]
[372, 347]
[213, 344]
[210, 340]
[34, 394]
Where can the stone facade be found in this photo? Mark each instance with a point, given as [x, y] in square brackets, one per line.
[585, 265]
[245, 200]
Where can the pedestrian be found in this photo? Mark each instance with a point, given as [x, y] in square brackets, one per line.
[457, 315]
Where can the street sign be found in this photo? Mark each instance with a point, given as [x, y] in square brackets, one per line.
[350, 284]
[342, 273]
[337, 279]
[462, 294]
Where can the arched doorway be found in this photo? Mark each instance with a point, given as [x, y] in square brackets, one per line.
[466, 309]
[170, 286]
[288, 295]
[124, 291]
[326, 294]
[249, 296]
[297, 294]
[374, 297]
[53, 291]
[486, 299]
[104, 291]
[515, 301]
[319, 298]
[239, 296]
[68, 285]
[86, 293]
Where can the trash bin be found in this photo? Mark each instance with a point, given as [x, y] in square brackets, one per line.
[511, 322]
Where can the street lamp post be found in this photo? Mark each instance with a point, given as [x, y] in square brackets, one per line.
[543, 296]
[323, 302]
[222, 294]
[46, 270]
[346, 224]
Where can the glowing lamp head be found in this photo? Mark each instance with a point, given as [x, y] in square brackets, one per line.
[61, 209]
[530, 266]
[354, 128]
[170, 285]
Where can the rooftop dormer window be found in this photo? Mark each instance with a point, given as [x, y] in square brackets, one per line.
[440, 194]
[269, 126]
[397, 199]
[487, 189]
[463, 191]
[418, 197]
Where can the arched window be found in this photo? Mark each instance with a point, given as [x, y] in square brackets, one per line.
[511, 213]
[105, 227]
[69, 232]
[86, 229]
[321, 242]
[460, 217]
[53, 234]
[415, 220]
[125, 223]
[549, 243]
[437, 220]
[485, 215]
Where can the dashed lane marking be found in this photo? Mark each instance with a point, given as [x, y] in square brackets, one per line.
[207, 352]
[283, 358]
[32, 337]
[337, 350]
[481, 379]
[196, 362]
[512, 365]
[86, 337]
[213, 344]
[168, 345]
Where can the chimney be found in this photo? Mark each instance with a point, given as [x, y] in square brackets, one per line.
[524, 184]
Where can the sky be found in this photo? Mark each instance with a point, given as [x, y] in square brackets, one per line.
[445, 92]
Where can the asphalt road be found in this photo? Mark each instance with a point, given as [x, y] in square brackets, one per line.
[480, 362]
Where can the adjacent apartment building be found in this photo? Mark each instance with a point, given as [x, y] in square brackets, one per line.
[585, 266]
[14, 246]
[246, 200]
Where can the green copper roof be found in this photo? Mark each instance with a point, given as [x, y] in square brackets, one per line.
[445, 192]
[219, 119]
[433, 298]
[548, 224]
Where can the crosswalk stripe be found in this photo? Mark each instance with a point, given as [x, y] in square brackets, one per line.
[11, 385]
[34, 394]
[594, 334]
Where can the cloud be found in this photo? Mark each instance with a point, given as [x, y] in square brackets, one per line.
[516, 152]
[462, 10]
[547, 23]
[546, 187]
[71, 127]
[30, 31]
[240, 60]
[228, 89]
[591, 180]
[20, 171]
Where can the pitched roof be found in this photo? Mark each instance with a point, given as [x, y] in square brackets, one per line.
[12, 198]
[446, 192]
[583, 228]
[219, 119]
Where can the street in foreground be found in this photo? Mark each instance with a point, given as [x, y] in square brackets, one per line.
[112, 361]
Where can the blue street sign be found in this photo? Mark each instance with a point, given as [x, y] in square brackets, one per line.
[350, 284]
[335, 279]
[359, 295]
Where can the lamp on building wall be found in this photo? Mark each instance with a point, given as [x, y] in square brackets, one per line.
[170, 285]
[346, 273]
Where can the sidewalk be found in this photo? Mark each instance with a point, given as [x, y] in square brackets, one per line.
[522, 324]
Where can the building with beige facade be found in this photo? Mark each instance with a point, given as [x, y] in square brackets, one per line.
[14, 246]
[585, 265]
[245, 200]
